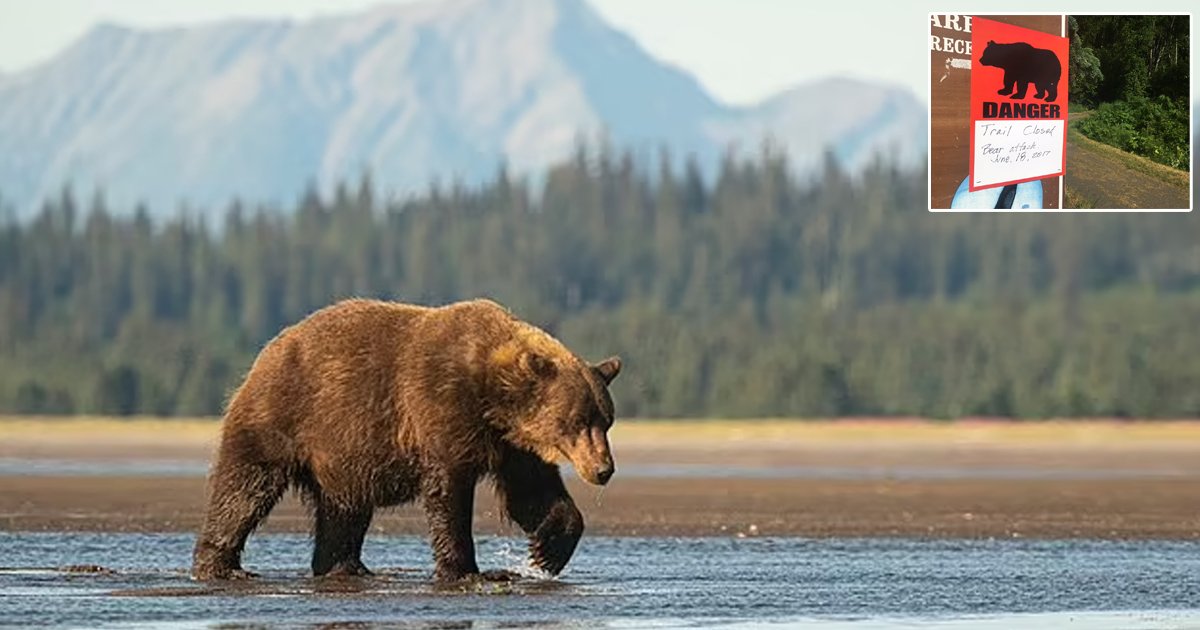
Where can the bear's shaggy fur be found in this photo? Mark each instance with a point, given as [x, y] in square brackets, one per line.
[367, 404]
[1023, 64]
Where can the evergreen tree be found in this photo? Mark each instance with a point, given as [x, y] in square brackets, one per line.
[760, 294]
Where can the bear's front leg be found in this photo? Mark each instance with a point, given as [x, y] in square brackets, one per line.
[1008, 86]
[553, 543]
[449, 500]
[534, 497]
[1022, 88]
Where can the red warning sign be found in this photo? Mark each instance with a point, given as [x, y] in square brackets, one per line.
[1018, 104]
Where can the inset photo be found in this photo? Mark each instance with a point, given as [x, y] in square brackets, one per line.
[1059, 112]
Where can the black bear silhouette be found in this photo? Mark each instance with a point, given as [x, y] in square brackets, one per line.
[1023, 64]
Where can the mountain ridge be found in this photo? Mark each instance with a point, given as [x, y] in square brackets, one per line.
[416, 92]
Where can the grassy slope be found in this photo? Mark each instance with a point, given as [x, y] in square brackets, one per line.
[1138, 163]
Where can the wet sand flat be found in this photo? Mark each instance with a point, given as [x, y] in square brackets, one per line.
[1121, 509]
[778, 478]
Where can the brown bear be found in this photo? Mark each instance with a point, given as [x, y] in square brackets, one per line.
[368, 404]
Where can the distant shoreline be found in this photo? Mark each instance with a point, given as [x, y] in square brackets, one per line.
[1090, 432]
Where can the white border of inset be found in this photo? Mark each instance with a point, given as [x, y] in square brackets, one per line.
[1061, 180]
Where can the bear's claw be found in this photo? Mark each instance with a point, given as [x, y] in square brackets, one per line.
[548, 556]
[348, 569]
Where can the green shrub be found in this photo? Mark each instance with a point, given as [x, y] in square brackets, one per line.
[1153, 128]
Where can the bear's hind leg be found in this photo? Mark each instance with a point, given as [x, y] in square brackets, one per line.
[1051, 92]
[240, 497]
[339, 539]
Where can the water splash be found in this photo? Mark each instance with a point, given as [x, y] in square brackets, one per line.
[514, 557]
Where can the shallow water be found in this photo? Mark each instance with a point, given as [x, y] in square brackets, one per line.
[618, 582]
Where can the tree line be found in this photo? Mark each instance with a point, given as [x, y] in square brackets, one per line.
[1134, 71]
[758, 293]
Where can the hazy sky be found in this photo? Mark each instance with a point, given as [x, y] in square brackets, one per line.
[741, 50]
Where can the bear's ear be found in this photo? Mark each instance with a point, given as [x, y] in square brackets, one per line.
[991, 42]
[538, 365]
[608, 369]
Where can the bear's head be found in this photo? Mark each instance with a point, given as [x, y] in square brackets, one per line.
[993, 54]
[555, 405]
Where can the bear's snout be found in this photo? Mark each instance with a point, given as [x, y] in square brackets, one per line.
[591, 457]
[599, 473]
[606, 473]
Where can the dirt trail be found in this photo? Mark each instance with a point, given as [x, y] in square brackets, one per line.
[1107, 182]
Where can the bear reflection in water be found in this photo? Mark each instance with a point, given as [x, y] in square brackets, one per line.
[368, 404]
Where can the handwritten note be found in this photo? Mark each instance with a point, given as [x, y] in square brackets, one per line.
[1015, 150]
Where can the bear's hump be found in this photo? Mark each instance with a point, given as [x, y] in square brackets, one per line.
[482, 307]
[999, 54]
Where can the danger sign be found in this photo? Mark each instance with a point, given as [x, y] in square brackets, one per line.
[1018, 104]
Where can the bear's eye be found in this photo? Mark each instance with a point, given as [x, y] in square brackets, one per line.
[601, 420]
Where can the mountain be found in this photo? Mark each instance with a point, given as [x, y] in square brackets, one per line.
[413, 92]
[854, 119]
